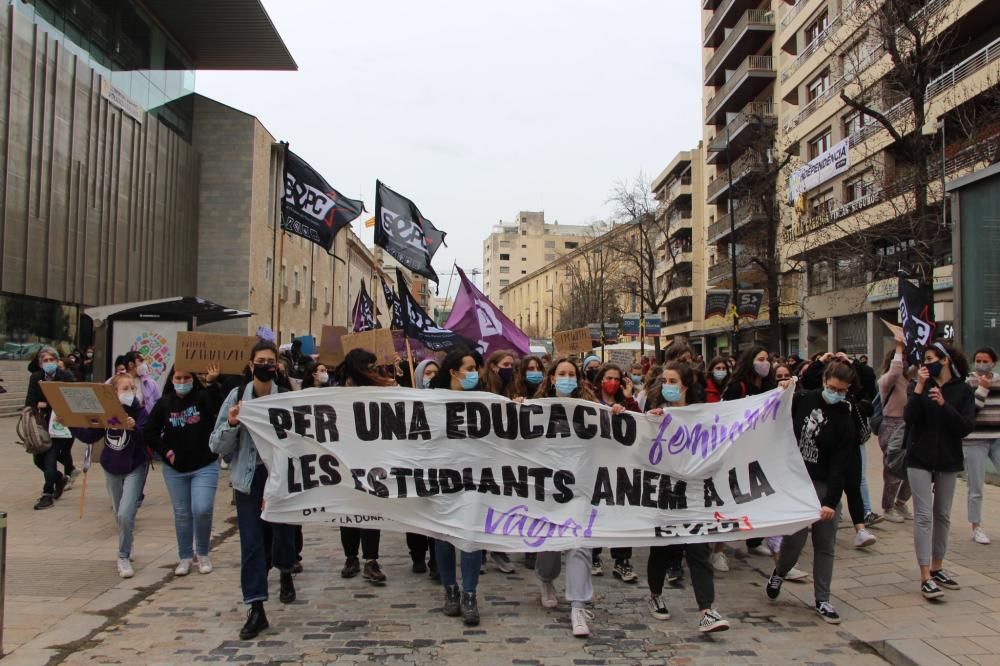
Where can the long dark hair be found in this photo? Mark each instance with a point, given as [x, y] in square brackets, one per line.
[453, 361]
[168, 388]
[960, 364]
[547, 389]
[519, 387]
[745, 373]
[491, 381]
[358, 367]
[718, 360]
[308, 381]
[692, 396]
[619, 396]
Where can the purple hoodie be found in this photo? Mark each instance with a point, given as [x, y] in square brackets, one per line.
[124, 450]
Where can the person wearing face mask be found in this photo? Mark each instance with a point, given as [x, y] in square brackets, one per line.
[674, 388]
[825, 431]
[425, 372]
[563, 381]
[316, 376]
[178, 429]
[612, 392]
[460, 372]
[984, 442]
[87, 364]
[422, 550]
[591, 366]
[635, 374]
[715, 382]
[528, 377]
[55, 482]
[126, 462]
[147, 391]
[940, 412]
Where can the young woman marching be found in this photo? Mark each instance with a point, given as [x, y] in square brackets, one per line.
[178, 429]
[715, 382]
[984, 443]
[940, 412]
[421, 546]
[317, 376]
[611, 391]
[563, 381]
[498, 378]
[459, 372]
[673, 389]
[261, 543]
[358, 369]
[62, 439]
[825, 430]
[527, 378]
[892, 388]
[126, 463]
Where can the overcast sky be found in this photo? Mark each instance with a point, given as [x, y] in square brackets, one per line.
[478, 110]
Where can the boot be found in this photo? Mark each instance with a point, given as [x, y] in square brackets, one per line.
[287, 594]
[452, 601]
[470, 610]
[256, 621]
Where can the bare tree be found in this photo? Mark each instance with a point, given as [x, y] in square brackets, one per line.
[594, 280]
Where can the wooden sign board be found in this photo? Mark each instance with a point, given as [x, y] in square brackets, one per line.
[573, 341]
[197, 351]
[331, 349]
[378, 341]
[623, 358]
[85, 405]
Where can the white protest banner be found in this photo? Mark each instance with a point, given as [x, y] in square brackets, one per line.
[481, 471]
[817, 171]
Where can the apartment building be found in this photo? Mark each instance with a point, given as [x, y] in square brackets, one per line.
[681, 268]
[514, 250]
[858, 178]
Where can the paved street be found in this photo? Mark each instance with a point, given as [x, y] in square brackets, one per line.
[65, 603]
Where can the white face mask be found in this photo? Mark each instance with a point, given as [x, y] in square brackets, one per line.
[142, 369]
[322, 378]
[126, 398]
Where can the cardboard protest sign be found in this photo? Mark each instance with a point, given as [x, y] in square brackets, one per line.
[573, 341]
[623, 358]
[548, 474]
[895, 329]
[197, 351]
[331, 351]
[85, 405]
[378, 341]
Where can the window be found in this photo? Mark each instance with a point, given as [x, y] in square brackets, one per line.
[817, 27]
[569, 245]
[856, 188]
[504, 269]
[818, 86]
[550, 257]
[269, 269]
[524, 247]
[822, 203]
[504, 283]
[504, 244]
[820, 144]
[524, 258]
[504, 257]
[550, 244]
[524, 232]
[524, 272]
[283, 276]
[853, 122]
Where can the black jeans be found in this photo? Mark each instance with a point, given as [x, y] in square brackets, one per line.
[702, 577]
[616, 553]
[418, 545]
[852, 488]
[48, 463]
[262, 544]
[351, 538]
[65, 454]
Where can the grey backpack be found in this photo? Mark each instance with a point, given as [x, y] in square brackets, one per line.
[31, 433]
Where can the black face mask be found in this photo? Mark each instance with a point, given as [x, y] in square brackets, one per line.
[591, 375]
[263, 373]
[506, 374]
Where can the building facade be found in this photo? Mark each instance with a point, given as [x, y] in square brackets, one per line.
[512, 251]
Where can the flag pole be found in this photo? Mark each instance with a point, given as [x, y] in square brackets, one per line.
[447, 290]
[409, 357]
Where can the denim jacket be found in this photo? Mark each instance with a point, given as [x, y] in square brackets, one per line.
[226, 440]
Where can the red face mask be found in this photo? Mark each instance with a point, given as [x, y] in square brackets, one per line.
[610, 386]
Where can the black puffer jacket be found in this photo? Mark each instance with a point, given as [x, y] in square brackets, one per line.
[935, 432]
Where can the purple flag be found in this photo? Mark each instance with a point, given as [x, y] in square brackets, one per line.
[476, 318]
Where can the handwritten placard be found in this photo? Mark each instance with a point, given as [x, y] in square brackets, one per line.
[378, 341]
[197, 351]
[573, 341]
[85, 405]
[331, 349]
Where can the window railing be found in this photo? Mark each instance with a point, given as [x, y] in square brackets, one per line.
[754, 63]
[717, 17]
[792, 12]
[820, 39]
[750, 112]
[752, 17]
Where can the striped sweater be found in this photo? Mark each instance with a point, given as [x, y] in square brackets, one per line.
[987, 409]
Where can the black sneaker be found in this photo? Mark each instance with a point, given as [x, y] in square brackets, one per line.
[930, 590]
[944, 579]
[623, 570]
[287, 593]
[675, 575]
[470, 610]
[452, 601]
[503, 562]
[658, 607]
[351, 568]
[872, 518]
[826, 611]
[256, 622]
[419, 567]
[373, 572]
[773, 588]
[60, 487]
[711, 622]
[44, 502]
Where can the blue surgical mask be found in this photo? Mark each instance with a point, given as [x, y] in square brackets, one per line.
[183, 389]
[534, 377]
[636, 379]
[720, 375]
[671, 392]
[470, 380]
[565, 386]
[50, 368]
[832, 397]
[426, 382]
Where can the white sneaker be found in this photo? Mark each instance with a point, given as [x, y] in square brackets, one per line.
[904, 511]
[761, 550]
[979, 535]
[711, 621]
[548, 591]
[893, 516]
[719, 562]
[223, 464]
[125, 569]
[796, 574]
[183, 568]
[864, 538]
[204, 564]
[658, 607]
[578, 618]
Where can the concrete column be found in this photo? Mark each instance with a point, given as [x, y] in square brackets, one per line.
[871, 322]
[831, 334]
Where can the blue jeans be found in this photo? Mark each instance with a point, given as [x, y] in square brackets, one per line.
[125, 490]
[261, 543]
[866, 500]
[446, 566]
[193, 497]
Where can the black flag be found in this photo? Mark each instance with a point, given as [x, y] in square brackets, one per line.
[916, 314]
[418, 325]
[364, 311]
[392, 301]
[310, 207]
[404, 232]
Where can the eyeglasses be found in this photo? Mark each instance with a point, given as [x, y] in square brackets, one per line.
[265, 364]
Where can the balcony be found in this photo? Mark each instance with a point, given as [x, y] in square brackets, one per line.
[747, 36]
[754, 113]
[721, 271]
[680, 220]
[792, 12]
[741, 168]
[743, 214]
[743, 86]
[678, 187]
[821, 39]
[678, 292]
[722, 16]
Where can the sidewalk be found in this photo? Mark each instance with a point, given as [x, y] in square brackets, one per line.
[65, 603]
